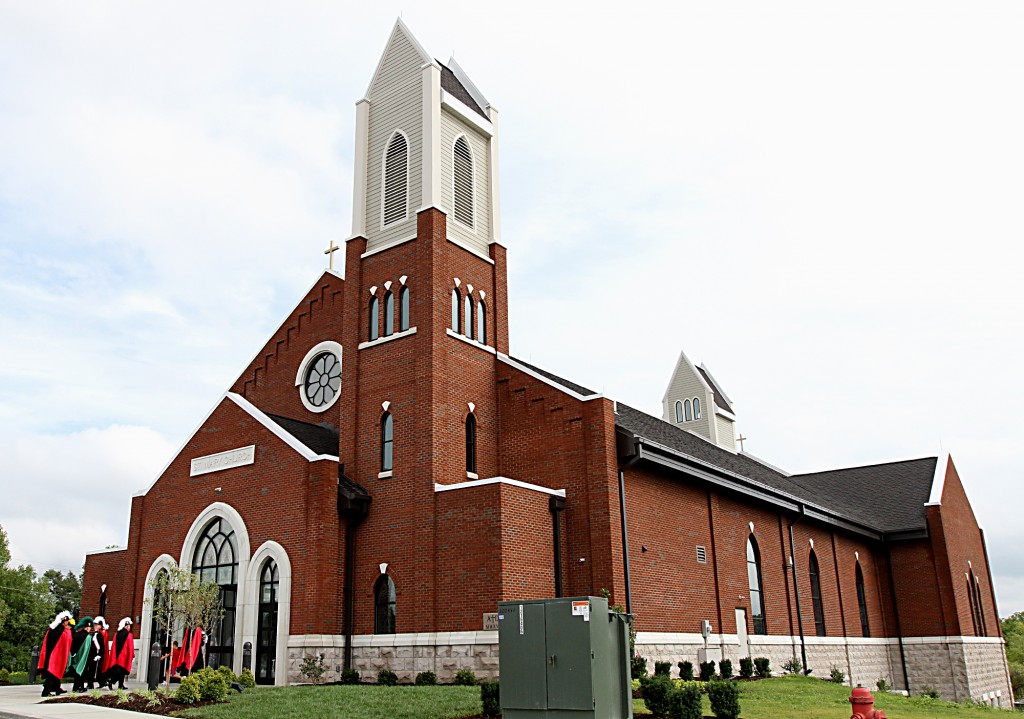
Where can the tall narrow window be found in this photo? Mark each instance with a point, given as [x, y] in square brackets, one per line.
[471, 443]
[403, 309]
[481, 323]
[862, 602]
[754, 581]
[387, 442]
[456, 309]
[973, 604]
[981, 609]
[819, 611]
[468, 318]
[688, 410]
[696, 408]
[396, 180]
[215, 560]
[103, 603]
[462, 159]
[389, 314]
[374, 318]
[679, 410]
[266, 630]
[384, 606]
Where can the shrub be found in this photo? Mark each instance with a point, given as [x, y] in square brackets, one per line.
[188, 690]
[212, 685]
[725, 699]
[464, 678]
[657, 694]
[725, 669]
[387, 678]
[229, 676]
[5, 676]
[928, 692]
[1017, 679]
[707, 671]
[746, 668]
[635, 683]
[425, 679]
[350, 676]
[490, 697]
[882, 685]
[637, 667]
[763, 667]
[685, 671]
[313, 669]
[662, 668]
[837, 675]
[686, 702]
[246, 679]
[793, 666]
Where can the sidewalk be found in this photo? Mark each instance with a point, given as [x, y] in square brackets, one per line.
[25, 702]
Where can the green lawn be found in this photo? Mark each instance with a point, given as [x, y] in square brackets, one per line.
[789, 697]
[797, 697]
[346, 702]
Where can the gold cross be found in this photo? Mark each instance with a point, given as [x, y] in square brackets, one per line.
[330, 251]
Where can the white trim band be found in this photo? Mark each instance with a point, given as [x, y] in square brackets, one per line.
[497, 480]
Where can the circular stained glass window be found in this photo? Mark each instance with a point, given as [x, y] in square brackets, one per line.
[323, 379]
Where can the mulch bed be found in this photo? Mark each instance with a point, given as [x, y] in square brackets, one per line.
[131, 702]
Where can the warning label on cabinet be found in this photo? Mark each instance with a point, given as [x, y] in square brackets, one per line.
[581, 609]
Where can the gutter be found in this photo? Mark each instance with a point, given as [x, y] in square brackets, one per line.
[896, 611]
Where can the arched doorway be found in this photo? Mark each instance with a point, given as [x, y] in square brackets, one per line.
[266, 631]
[216, 560]
[156, 632]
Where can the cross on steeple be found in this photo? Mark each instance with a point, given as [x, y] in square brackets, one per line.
[741, 439]
[330, 252]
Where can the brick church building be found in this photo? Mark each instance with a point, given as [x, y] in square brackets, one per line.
[384, 472]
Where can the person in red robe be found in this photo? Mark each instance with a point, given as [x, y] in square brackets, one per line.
[123, 652]
[175, 656]
[54, 654]
[191, 651]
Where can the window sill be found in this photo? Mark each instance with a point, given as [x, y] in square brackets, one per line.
[387, 338]
[384, 475]
[467, 340]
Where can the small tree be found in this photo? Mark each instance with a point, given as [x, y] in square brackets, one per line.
[181, 599]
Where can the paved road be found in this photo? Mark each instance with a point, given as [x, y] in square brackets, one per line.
[24, 702]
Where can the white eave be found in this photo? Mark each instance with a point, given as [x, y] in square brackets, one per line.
[467, 114]
[470, 86]
[399, 26]
[537, 376]
[498, 480]
[938, 481]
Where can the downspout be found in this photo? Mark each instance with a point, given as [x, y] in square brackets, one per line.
[353, 506]
[556, 505]
[637, 454]
[896, 616]
[796, 588]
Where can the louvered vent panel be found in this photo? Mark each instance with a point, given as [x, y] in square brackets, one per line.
[463, 182]
[702, 554]
[396, 180]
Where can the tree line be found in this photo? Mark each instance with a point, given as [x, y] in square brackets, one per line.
[28, 603]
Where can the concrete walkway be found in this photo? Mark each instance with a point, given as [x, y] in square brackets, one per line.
[25, 702]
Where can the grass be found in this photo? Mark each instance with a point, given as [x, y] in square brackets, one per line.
[797, 697]
[346, 702]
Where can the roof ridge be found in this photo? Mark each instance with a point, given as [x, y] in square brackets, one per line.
[866, 466]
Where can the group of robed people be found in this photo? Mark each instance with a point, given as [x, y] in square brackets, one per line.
[85, 650]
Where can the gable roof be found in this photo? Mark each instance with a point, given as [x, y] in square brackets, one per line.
[319, 438]
[451, 84]
[716, 392]
[400, 30]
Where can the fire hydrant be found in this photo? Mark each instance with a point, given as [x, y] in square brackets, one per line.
[864, 705]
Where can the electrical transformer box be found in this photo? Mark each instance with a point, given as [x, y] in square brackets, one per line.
[565, 658]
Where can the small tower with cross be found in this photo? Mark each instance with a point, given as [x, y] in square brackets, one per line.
[696, 402]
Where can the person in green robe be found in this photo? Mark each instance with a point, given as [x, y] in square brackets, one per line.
[82, 649]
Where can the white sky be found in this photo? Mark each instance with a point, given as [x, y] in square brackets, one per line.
[821, 201]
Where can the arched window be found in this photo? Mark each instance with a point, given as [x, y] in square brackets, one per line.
[468, 324]
[103, 603]
[215, 560]
[977, 609]
[384, 606]
[819, 612]
[403, 309]
[266, 632]
[387, 441]
[374, 315]
[396, 180]
[981, 608]
[754, 581]
[696, 408]
[456, 309]
[971, 602]
[389, 314]
[462, 160]
[481, 323]
[679, 410]
[471, 443]
[688, 410]
[862, 602]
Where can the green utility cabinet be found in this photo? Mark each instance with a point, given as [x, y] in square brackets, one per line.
[565, 658]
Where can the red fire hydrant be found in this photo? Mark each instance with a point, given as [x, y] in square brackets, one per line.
[864, 705]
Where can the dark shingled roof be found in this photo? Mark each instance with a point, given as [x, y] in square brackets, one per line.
[887, 497]
[320, 438]
[716, 391]
[451, 85]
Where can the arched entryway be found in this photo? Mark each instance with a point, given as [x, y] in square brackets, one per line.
[266, 628]
[216, 560]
